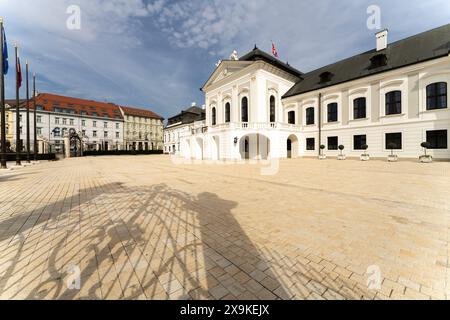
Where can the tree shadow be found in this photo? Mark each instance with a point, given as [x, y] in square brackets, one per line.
[147, 243]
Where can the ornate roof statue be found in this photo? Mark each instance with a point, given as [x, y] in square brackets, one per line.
[218, 63]
[234, 56]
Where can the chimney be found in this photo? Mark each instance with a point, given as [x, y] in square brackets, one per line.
[382, 39]
[193, 104]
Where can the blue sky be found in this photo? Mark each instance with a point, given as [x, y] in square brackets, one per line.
[157, 54]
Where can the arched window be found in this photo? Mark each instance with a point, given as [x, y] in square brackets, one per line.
[227, 112]
[393, 102]
[332, 112]
[213, 117]
[437, 96]
[244, 109]
[291, 117]
[310, 115]
[359, 108]
[272, 109]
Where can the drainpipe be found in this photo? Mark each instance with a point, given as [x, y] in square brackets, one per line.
[320, 121]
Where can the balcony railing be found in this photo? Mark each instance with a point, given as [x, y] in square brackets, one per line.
[255, 126]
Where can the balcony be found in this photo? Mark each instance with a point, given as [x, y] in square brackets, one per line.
[255, 126]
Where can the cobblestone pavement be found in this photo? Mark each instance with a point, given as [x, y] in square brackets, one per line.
[145, 228]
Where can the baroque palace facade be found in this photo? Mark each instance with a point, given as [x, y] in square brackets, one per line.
[100, 125]
[258, 107]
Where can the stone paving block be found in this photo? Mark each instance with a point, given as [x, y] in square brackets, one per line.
[170, 238]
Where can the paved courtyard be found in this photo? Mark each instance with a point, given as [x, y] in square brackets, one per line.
[145, 228]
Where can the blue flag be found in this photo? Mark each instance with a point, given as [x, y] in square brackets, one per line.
[5, 54]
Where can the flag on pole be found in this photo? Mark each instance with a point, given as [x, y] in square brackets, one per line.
[274, 50]
[19, 73]
[5, 54]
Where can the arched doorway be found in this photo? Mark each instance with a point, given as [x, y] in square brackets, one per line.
[187, 149]
[292, 147]
[199, 149]
[254, 147]
[216, 148]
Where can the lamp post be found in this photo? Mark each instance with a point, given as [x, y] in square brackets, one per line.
[18, 144]
[28, 115]
[35, 148]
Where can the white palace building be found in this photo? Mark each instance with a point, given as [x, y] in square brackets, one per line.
[258, 107]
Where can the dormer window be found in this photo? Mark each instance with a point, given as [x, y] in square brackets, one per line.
[325, 77]
[377, 61]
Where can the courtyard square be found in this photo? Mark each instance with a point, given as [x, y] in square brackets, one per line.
[144, 227]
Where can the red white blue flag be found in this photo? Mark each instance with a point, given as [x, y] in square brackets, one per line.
[274, 50]
[19, 73]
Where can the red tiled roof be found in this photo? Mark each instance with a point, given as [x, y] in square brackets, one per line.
[140, 113]
[50, 102]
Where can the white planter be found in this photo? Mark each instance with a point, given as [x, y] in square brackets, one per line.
[341, 157]
[322, 157]
[392, 158]
[365, 157]
[426, 159]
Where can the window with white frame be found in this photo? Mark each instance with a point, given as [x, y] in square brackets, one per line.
[359, 108]
[393, 102]
[272, 109]
[310, 116]
[437, 96]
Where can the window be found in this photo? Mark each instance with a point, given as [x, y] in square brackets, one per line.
[117, 126]
[94, 134]
[359, 108]
[310, 116]
[94, 124]
[117, 135]
[57, 132]
[105, 125]
[377, 61]
[291, 117]
[64, 121]
[39, 119]
[244, 109]
[20, 118]
[332, 143]
[332, 112]
[272, 109]
[310, 144]
[38, 130]
[56, 120]
[72, 122]
[437, 96]
[437, 139]
[83, 123]
[395, 138]
[393, 102]
[213, 116]
[359, 141]
[227, 112]
[83, 133]
[105, 134]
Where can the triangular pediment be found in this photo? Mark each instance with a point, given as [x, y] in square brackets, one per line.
[225, 70]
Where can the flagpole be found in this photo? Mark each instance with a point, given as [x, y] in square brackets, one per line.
[35, 147]
[18, 144]
[2, 103]
[28, 116]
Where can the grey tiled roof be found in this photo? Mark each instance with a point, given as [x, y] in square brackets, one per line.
[257, 54]
[419, 48]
